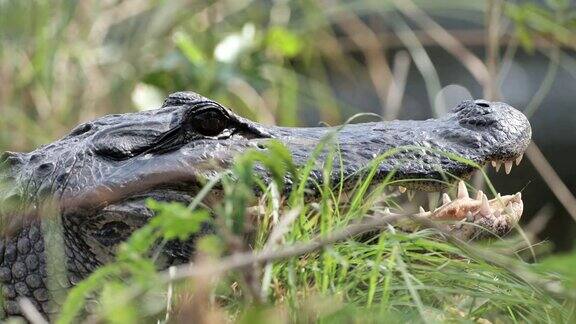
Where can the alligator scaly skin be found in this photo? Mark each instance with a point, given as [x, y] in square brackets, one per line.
[98, 177]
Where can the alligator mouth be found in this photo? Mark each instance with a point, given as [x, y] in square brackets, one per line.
[464, 216]
[506, 165]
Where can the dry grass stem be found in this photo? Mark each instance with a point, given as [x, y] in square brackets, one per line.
[552, 179]
[474, 65]
[366, 40]
[493, 16]
[397, 86]
[30, 312]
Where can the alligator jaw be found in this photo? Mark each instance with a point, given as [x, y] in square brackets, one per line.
[470, 218]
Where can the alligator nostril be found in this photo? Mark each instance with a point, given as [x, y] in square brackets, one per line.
[482, 103]
[260, 146]
[45, 168]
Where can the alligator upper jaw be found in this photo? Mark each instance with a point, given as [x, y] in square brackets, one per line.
[187, 168]
[423, 155]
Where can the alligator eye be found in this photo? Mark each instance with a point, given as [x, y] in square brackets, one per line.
[209, 123]
[113, 233]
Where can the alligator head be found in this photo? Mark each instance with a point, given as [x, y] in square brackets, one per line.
[102, 172]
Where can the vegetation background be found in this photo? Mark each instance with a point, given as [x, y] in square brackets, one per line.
[303, 62]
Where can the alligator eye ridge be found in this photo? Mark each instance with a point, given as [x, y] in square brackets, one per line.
[210, 123]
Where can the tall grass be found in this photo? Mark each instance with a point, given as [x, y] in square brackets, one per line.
[385, 275]
[63, 62]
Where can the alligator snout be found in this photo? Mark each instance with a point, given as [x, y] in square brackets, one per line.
[504, 132]
[482, 113]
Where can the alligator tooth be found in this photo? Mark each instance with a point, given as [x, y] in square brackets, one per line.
[433, 198]
[496, 165]
[446, 199]
[422, 210]
[519, 159]
[387, 211]
[485, 207]
[462, 191]
[508, 166]
[402, 189]
[479, 195]
[499, 219]
[410, 194]
[517, 197]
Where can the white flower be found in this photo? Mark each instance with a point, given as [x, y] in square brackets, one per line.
[233, 45]
[147, 97]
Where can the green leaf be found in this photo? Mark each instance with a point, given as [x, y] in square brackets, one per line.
[116, 314]
[139, 243]
[77, 296]
[211, 245]
[175, 220]
[283, 42]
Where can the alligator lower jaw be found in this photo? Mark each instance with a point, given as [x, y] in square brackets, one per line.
[470, 218]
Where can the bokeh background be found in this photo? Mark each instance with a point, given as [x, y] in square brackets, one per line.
[301, 63]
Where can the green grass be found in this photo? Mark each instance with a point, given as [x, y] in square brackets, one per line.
[64, 62]
[385, 275]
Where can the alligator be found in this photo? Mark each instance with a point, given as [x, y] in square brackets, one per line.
[100, 175]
